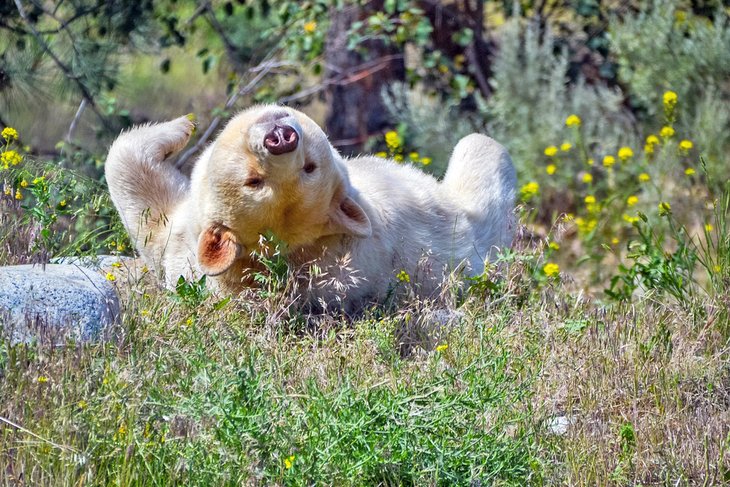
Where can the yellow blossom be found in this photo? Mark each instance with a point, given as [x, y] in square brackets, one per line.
[392, 139]
[554, 245]
[121, 247]
[9, 133]
[587, 178]
[83, 404]
[590, 162]
[62, 203]
[289, 462]
[8, 191]
[644, 177]
[110, 277]
[685, 145]
[670, 99]
[664, 209]
[551, 151]
[403, 276]
[609, 161]
[529, 190]
[425, 161]
[550, 169]
[632, 200]
[116, 264]
[652, 140]
[18, 195]
[310, 27]
[10, 158]
[689, 171]
[551, 269]
[709, 227]
[381, 154]
[398, 158]
[566, 146]
[649, 148]
[24, 184]
[442, 348]
[413, 156]
[666, 132]
[630, 219]
[145, 269]
[625, 153]
[716, 268]
[572, 121]
[615, 240]
[590, 199]
[42, 379]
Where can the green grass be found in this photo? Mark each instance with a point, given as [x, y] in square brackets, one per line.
[218, 393]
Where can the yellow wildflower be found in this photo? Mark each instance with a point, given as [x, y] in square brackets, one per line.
[649, 148]
[587, 178]
[116, 264]
[685, 145]
[615, 240]
[664, 209]
[709, 227]
[39, 179]
[9, 133]
[644, 177]
[590, 199]
[670, 99]
[550, 169]
[413, 156]
[442, 348]
[289, 462]
[398, 158]
[632, 200]
[554, 245]
[529, 190]
[24, 184]
[10, 158]
[381, 154]
[551, 269]
[18, 195]
[566, 146]
[652, 140]
[630, 219]
[392, 139]
[590, 162]
[625, 153]
[83, 404]
[8, 191]
[666, 132]
[62, 203]
[403, 276]
[716, 268]
[609, 161]
[572, 121]
[551, 151]
[310, 27]
[689, 171]
[42, 379]
[425, 161]
[110, 277]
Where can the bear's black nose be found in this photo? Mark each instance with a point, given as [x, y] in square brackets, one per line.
[281, 139]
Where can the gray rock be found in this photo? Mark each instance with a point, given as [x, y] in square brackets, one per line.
[55, 303]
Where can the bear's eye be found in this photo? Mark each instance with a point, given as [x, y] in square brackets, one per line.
[309, 167]
[254, 182]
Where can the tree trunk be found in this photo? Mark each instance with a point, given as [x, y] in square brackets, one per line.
[355, 107]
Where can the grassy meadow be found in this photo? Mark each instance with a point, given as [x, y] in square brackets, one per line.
[595, 351]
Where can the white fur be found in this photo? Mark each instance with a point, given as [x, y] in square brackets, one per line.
[394, 216]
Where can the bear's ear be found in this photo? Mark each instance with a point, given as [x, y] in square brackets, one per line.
[348, 217]
[218, 249]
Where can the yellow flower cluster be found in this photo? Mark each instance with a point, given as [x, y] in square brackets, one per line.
[685, 145]
[550, 169]
[573, 121]
[310, 27]
[609, 161]
[9, 133]
[551, 151]
[566, 146]
[670, 100]
[632, 200]
[625, 153]
[403, 276]
[289, 462]
[10, 158]
[551, 269]
[529, 190]
[393, 140]
[644, 177]
[442, 348]
[664, 209]
[651, 142]
[667, 132]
